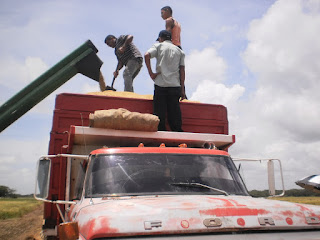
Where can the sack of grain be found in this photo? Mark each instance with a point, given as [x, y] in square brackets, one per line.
[122, 119]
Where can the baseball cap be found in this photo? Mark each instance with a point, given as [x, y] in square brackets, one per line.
[166, 35]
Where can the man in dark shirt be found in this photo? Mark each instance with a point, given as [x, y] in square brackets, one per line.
[128, 55]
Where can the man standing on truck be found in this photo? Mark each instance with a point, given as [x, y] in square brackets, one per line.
[172, 25]
[168, 80]
[128, 55]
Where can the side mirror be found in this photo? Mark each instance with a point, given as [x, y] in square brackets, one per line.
[271, 178]
[271, 174]
[43, 179]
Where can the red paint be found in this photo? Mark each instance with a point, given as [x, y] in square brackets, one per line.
[241, 222]
[220, 212]
[289, 221]
[287, 213]
[101, 228]
[227, 203]
[237, 204]
[184, 224]
[159, 150]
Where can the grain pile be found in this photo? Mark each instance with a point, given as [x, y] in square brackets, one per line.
[122, 119]
[127, 95]
[110, 93]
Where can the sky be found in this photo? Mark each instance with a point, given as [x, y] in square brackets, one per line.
[260, 59]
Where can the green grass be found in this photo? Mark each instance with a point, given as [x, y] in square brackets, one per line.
[17, 207]
[305, 200]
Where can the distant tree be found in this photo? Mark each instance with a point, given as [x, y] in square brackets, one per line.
[7, 192]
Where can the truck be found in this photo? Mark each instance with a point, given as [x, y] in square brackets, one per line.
[101, 183]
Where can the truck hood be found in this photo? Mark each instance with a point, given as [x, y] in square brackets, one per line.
[157, 215]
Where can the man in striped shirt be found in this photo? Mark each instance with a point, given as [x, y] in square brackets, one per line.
[128, 55]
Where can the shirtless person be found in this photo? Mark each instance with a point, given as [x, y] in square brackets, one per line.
[172, 25]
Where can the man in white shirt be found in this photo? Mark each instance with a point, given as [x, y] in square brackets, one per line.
[168, 81]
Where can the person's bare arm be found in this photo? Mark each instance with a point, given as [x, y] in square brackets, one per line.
[169, 24]
[147, 58]
[119, 66]
[182, 79]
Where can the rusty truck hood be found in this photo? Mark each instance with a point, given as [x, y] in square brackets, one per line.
[157, 215]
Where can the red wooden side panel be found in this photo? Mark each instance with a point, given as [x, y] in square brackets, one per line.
[196, 117]
[62, 119]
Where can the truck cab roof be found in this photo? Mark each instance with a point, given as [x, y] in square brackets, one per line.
[162, 149]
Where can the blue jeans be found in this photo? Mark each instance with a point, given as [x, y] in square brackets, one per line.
[130, 72]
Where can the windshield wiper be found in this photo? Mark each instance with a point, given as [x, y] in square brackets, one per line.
[186, 184]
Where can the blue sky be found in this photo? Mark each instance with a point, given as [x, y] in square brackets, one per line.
[261, 59]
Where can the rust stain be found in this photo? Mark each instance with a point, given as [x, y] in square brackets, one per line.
[287, 213]
[189, 205]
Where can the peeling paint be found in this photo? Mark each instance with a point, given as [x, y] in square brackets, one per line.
[234, 212]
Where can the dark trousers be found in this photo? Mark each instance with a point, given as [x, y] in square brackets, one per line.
[166, 100]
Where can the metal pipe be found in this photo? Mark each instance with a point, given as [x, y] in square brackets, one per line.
[83, 59]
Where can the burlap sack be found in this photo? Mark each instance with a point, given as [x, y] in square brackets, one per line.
[122, 119]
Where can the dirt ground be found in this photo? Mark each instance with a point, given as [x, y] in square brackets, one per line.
[27, 227]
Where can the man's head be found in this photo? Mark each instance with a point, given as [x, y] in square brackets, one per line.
[166, 12]
[110, 41]
[164, 35]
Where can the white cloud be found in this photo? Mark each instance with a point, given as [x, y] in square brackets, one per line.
[206, 71]
[217, 93]
[203, 64]
[282, 116]
[35, 67]
[16, 74]
[18, 162]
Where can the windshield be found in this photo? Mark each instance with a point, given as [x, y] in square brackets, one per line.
[142, 174]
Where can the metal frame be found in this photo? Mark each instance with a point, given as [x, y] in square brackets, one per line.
[268, 160]
[36, 180]
[57, 202]
[47, 157]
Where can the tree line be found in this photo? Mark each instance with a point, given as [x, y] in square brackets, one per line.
[6, 192]
[288, 193]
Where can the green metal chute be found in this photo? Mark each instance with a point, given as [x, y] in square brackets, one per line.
[83, 60]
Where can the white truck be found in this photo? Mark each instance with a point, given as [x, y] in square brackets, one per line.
[110, 184]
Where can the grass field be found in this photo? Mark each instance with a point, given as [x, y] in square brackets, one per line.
[17, 207]
[305, 200]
